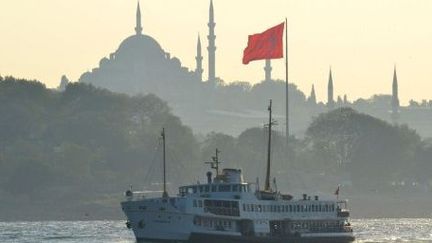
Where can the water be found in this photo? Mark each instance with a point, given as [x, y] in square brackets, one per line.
[366, 230]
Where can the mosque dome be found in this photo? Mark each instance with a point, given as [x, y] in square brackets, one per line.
[140, 46]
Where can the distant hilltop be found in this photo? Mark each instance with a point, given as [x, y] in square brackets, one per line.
[141, 66]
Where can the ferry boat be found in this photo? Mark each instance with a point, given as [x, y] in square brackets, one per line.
[227, 209]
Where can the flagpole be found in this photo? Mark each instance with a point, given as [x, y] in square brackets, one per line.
[286, 83]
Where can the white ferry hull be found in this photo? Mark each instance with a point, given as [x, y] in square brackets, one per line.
[208, 238]
[160, 226]
[217, 238]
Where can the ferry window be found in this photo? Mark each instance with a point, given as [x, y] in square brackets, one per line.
[201, 188]
[194, 203]
[298, 208]
[194, 189]
[208, 203]
[244, 207]
[226, 204]
[217, 203]
[189, 190]
[224, 188]
[319, 208]
[290, 208]
[259, 208]
[200, 203]
[252, 208]
[214, 188]
[235, 188]
[313, 208]
[206, 188]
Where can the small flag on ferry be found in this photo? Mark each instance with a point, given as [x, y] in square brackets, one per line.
[265, 45]
[337, 191]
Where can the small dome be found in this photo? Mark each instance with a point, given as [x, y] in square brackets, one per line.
[103, 62]
[139, 47]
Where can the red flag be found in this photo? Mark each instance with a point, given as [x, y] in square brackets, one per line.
[266, 45]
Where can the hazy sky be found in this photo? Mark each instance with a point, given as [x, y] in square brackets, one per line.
[361, 40]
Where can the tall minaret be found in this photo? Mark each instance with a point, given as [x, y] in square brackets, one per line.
[312, 97]
[395, 98]
[199, 58]
[211, 47]
[330, 100]
[268, 70]
[138, 27]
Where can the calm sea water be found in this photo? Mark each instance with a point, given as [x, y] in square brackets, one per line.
[366, 230]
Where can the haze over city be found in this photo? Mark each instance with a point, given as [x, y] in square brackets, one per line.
[361, 40]
[137, 120]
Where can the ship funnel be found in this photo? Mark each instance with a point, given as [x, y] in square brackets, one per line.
[209, 177]
[232, 176]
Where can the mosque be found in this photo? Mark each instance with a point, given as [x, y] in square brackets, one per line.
[140, 65]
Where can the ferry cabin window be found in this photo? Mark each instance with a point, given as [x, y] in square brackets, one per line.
[201, 188]
[194, 203]
[206, 188]
[235, 188]
[224, 188]
[200, 204]
[214, 188]
[194, 189]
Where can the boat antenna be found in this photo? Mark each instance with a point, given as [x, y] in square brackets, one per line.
[214, 164]
[165, 193]
[271, 122]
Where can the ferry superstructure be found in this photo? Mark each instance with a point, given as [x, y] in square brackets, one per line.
[227, 209]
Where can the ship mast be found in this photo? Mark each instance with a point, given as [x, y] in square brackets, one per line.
[267, 181]
[214, 164]
[165, 193]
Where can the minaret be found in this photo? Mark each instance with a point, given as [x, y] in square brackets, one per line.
[211, 47]
[312, 97]
[268, 69]
[199, 58]
[330, 100]
[395, 98]
[138, 27]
